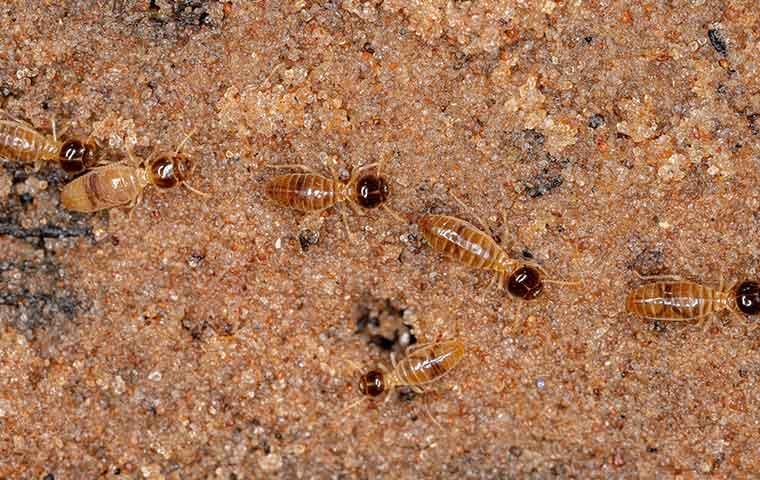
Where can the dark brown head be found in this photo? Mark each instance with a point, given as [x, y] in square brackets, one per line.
[525, 283]
[372, 191]
[169, 171]
[372, 383]
[748, 297]
[76, 155]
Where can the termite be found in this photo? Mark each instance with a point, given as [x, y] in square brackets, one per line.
[21, 142]
[314, 193]
[423, 365]
[465, 243]
[676, 299]
[122, 184]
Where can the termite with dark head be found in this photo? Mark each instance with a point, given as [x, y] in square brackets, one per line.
[21, 142]
[424, 364]
[673, 299]
[465, 243]
[312, 192]
[122, 184]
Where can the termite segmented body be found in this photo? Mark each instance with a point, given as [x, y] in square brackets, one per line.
[423, 364]
[305, 191]
[122, 185]
[21, 142]
[465, 243]
[104, 187]
[681, 300]
[310, 192]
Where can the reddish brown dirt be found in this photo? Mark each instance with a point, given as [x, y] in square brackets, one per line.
[197, 339]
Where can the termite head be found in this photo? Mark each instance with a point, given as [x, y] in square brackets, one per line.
[748, 297]
[525, 283]
[76, 155]
[372, 191]
[169, 171]
[372, 383]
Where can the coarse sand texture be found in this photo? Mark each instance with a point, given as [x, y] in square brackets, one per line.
[224, 336]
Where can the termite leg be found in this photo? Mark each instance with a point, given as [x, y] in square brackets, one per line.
[706, 322]
[387, 208]
[294, 166]
[416, 346]
[505, 228]
[493, 281]
[736, 315]
[394, 214]
[657, 277]
[57, 134]
[133, 161]
[483, 224]
[17, 120]
[344, 218]
[354, 366]
[134, 204]
[426, 406]
[357, 211]
[752, 328]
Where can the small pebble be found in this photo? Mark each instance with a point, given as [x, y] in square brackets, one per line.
[151, 472]
[195, 260]
[596, 121]
[717, 41]
[119, 386]
[271, 462]
[6, 182]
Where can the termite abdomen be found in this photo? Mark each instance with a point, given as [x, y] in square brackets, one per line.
[302, 191]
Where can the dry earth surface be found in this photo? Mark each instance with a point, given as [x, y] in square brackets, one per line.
[217, 338]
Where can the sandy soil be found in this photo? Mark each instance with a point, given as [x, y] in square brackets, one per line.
[217, 338]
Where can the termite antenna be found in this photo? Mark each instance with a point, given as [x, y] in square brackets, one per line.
[350, 406]
[146, 161]
[354, 174]
[554, 281]
[196, 191]
[55, 133]
[185, 140]
[394, 214]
